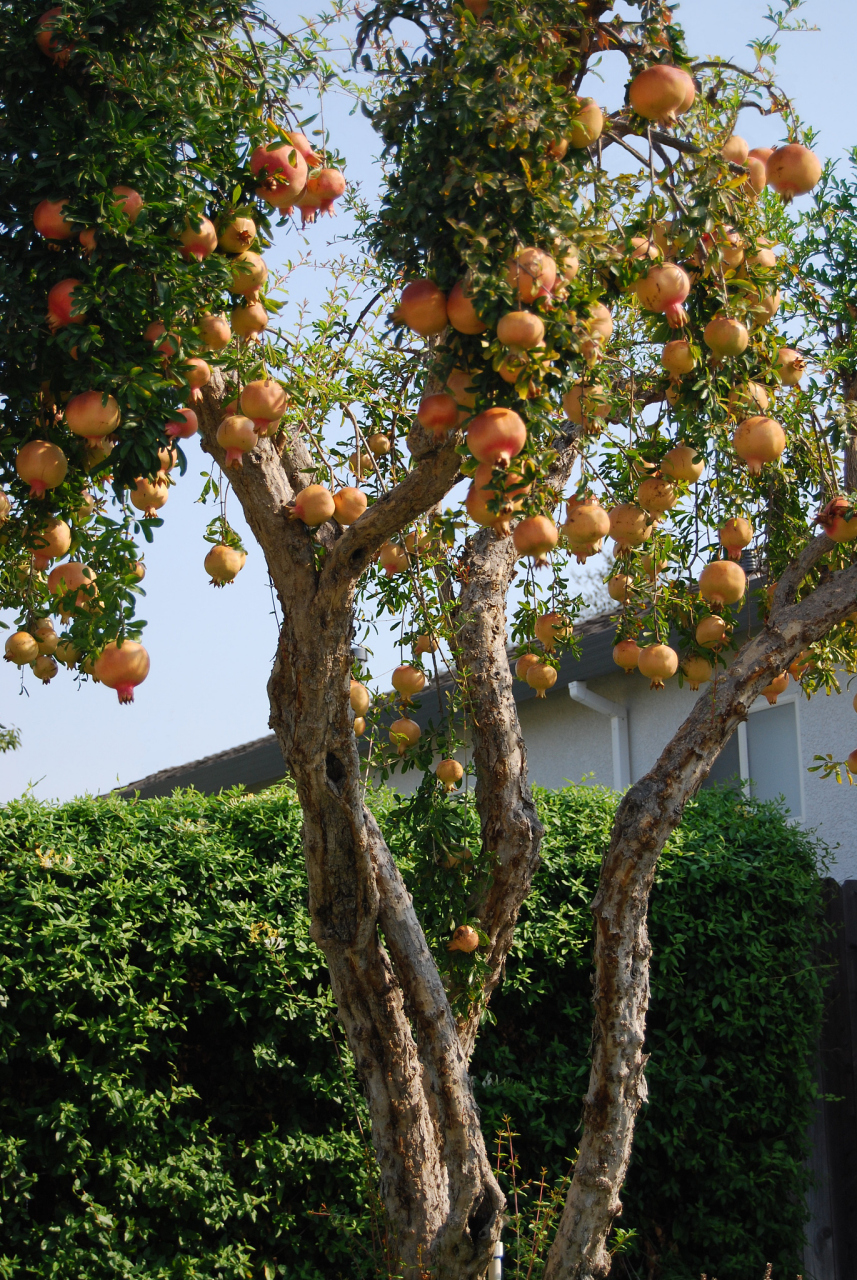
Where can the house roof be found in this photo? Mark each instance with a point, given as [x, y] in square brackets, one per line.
[259, 764]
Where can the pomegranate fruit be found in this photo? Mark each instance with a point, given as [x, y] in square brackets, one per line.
[663, 289]
[712, 632]
[597, 328]
[359, 698]
[166, 344]
[656, 496]
[264, 399]
[833, 520]
[619, 587]
[129, 201]
[722, 582]
[551, 629]
[531, 273]
[524, 663]
[236, 235]
[348, 505]
[851, 762]
[426, 644]
[587, 125]
[404, 733]
[496, 435]
[735, 150]
[393, 558]
[21, 648]
[461, 312]
[318, 195]
[438, 413]
[92, 415]
[67, 654]
[122, 667]
[541, 677]
[535, 536]
[183, 426]
[198, 375]
[802, 663]
[790, 365]
[198, 241]
[50, 222]
[42, 466]
[282, 172]
[450, 773]
[62, 309]
[522, 330]
[459, 387]
[657, 662]
[748, 399]
[379, 444]
[586, 405]
[45, 668]
[73, 576]
[149, 495]
[683, 462]
[408, 682]
[757, 177]
[422, 308]
[5, 507]
[52, 541]
[626, 654]
[698, 670]
[736, 534]
[629, 526]
[314, 505]
[249, 273]
[214, 332]
[726, 337]
[45, 636]
[758, 440]
[52, 45]
[677, 358]
[237, 435]
[793, 170]
[465, 938]
[249, 321]
[223, 564]
[661, 93]
[777, 686]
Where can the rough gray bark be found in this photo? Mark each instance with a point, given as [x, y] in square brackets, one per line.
[442, 1200]
[646, 817]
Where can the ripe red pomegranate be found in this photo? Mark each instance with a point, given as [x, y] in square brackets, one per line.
[214, 332]
[629, 526]
[404, 733]
[661, 93]
[183, 426]
[62, 310]
[49, 220]
[223, 564]
[698, 670]
[42, 466]
[166, 344]
[735, 535]
[49, 543]
[408, 682]
[735, 150]
[619, 587]
[249, 321]
[21, 648]
[465, 938]
[683, 462]
[348, 505]
[626, 654]
[657, 662]
[677, 358]
[496, 435]
[758, 440]
[552, 629]
[521, 330]
[790, 365]
[314, 505]
[122, 667]
[249, 273]
[129, 201]
[656, 496]
[149, 495]
[318, 195]
[422, 307]
[722, 582]
[835, 522]
[236, 235]
[438, 413]
[793, 170]
[450, 773]
[52, 45]
[535, 536]
[663, 289]
[198, 375]
[532, 273]
[726, 337]
[198, 241]
[282, 172]
[712, 632]
[777, 686]
[541, 677]
[92, 414]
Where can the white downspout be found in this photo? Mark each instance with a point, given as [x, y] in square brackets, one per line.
[618, 729]
[496, 1270]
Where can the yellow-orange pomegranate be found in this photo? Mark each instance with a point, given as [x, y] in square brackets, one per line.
[683, 462]
[697, 669]
[237, 435]
[777, 686]
[712, 632]
[736, 534]
[535, 536]
[348, 505]
[758, 440]
[404, 733]
[551, 629]
[450, 773]
[722, 582]
[223, 564]
[461, 311]
[496, 435]
[408, 681]
[122, 667]
[314, 505]
[626, 654]
[629, 526]
[541, 677]
[726, 337]
[793, 170]
[657, 662]
[532, 272]
[422, 307]
[661, 93]
[42, 466]
[21, 648]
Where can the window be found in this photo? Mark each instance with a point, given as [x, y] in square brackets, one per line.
[766, 752]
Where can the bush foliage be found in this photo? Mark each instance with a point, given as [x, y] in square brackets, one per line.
[176, 1100]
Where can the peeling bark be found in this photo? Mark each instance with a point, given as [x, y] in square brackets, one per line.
[646, 817]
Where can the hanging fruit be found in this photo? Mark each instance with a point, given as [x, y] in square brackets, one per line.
[348, 505]
[524, 663]
[657, 662]
[496, 436]
[49, 543]
[21, 648]
[50, 222]
[535, 536]
[408, 682]
[62, 309]
[726, 337]
[661, 93]
[541, 677]
[42, 466]
[697, 670]
[552, 629]
[629, 526]
[183, 426]
[736, 534]
[663, 290]
[777, 686]
[122, 667]
[461, 311]
[683, 462]
[450, 773]
[835, 522]
[722, 582]
[626, 654]
[793, 170]
[223, 564]
[532, 274]
[422, 307]
[92, 415]
[758, 440]
[464, 939]
[712, 632]
[404, 733]
[237, 435]
[149, 495]
[359, 698]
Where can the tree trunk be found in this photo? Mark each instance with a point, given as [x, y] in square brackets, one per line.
[645, 819]
[443, 1203]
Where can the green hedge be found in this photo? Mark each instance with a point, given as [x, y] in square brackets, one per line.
[173, 1104]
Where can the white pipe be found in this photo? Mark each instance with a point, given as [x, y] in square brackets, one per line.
[618, 714]
[495, 1271]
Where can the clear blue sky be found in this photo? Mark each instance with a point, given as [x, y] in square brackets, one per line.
[212, 649]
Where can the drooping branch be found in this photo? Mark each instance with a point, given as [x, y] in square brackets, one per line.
[646, 817]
